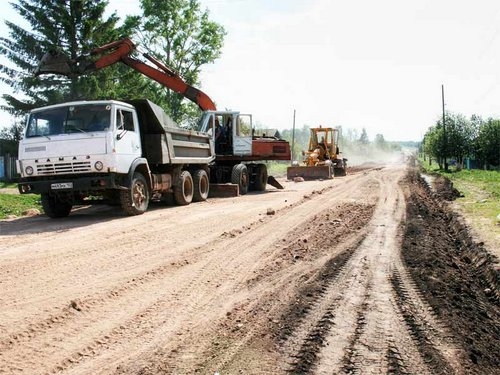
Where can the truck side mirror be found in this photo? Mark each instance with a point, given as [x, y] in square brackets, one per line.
[120, 126]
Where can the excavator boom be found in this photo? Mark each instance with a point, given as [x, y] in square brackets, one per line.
[121, 51]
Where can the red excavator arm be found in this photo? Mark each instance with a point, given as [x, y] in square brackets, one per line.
[121, 51]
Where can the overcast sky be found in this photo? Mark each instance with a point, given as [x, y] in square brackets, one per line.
[362, 63]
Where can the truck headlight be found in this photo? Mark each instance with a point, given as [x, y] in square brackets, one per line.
[98, 165]
[29, 170]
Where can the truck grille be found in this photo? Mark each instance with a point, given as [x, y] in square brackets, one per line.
[62, 168]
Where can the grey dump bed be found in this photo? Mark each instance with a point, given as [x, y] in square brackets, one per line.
[164, 142]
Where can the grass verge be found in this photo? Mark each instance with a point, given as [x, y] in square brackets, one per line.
[481, 197]
[13, 204]
[277, 168]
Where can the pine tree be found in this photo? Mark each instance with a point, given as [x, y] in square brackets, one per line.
[74, 27]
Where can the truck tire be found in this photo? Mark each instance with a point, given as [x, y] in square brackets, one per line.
[239, 176]
[135, 201]
[201, 185]
[54, 207]
[339, 172]
[260, 177]
[183, 189]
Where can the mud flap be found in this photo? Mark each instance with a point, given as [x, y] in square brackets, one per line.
[223, 190]
[273, 182]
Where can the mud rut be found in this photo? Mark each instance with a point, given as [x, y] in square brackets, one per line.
[317, 288]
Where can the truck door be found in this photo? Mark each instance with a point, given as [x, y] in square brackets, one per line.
[127, 139]
[242, 134]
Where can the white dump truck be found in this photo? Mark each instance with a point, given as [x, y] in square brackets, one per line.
[107, 151]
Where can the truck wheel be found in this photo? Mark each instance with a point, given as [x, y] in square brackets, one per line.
[54, 207]
[135, 200]
[183, 189]
[201, 185]
[239, 176]
[339, 172]
[260, 177]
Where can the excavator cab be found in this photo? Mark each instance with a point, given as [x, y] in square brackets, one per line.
[232, 132]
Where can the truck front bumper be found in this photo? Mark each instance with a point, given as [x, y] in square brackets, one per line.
[69, 184]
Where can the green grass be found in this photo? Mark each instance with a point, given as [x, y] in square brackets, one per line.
[16, 204]
[277, 168]
[486, 183]
[11, 185]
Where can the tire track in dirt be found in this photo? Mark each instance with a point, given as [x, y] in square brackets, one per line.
[419, 328]
[68, 312]
[367, 331]
[252, 294]
[97, 305]
[167, 301]
[297, 258]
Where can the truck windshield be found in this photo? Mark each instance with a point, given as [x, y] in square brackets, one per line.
[69, 119]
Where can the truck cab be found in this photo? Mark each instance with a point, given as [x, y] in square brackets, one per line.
[79, 137]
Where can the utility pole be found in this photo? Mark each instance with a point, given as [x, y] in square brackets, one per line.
[293, 138]
[444, 133]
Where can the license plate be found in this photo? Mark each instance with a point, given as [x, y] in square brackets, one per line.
[62, 185]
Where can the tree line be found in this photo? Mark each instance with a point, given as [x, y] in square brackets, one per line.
[462, 139]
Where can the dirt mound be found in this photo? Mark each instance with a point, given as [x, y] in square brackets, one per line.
[444, 188]
[458, 277]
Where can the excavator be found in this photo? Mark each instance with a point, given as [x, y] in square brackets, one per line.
[322, 160]
[239, 154]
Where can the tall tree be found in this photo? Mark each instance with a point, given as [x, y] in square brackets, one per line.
[433, 143]
[363, 139]
[12, 133]
[182, 36]
[488, 143]
[301, 140]
[380, 142]
[75, 28]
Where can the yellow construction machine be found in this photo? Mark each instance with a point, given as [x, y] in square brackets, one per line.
[322, 160]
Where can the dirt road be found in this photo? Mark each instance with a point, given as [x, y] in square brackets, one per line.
[324, 277]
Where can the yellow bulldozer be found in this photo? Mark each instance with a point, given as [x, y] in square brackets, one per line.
[322, 160]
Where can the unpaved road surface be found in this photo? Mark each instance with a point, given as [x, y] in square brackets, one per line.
[365, 274]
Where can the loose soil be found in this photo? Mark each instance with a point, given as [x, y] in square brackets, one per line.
[368, 273]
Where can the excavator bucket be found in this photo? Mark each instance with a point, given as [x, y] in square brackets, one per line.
[310, 172]
[55, 62]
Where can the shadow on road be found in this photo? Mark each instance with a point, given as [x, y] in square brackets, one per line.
[80, 216]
